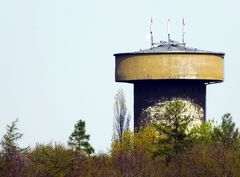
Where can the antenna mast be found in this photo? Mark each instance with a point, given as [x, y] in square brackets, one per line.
[183, 32]
[168, 31]
[151, 34]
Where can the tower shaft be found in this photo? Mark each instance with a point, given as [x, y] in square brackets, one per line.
[151, 96]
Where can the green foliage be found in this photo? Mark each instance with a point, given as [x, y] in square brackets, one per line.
[79, 139]
[50, 160]
[12, 155]
[9, 140]
[145, 138]
[226, 133]
[204, 150]
[202, 133]
[133, 155]
[173, 128]
[125, 145]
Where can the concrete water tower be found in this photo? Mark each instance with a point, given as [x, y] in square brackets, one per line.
[168, 71]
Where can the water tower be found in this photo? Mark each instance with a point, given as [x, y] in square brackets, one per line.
[168, 71]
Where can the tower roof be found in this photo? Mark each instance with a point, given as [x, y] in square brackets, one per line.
[168, 61]
[173, 48]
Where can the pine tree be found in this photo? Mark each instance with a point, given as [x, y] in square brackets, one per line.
[9, 140]
[173, 130]
[79, 139]
[11, 151]
[227, 133]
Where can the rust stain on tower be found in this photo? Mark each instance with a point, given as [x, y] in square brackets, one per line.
[167, 72]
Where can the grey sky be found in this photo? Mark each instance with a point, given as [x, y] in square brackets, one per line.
[57, 64]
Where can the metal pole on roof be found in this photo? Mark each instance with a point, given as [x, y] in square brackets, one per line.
[168, 31]
[183, 32]
[151, 34]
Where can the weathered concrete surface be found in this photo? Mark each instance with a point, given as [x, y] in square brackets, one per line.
[150, 98]
[130, 68]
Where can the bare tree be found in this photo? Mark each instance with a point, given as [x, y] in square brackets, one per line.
[121, 116]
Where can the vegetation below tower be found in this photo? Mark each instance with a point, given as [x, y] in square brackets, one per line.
[168, 148]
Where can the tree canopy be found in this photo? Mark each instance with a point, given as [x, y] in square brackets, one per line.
[121, 116]
[79, 140]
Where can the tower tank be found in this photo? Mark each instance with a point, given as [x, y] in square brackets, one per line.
[169, 71]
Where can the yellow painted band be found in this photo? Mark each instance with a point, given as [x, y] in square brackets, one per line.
[169, 66]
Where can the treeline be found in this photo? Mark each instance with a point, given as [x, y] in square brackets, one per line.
[168, 148]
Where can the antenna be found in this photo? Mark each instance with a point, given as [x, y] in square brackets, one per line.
[151, 34]
[168, 31]
[183, 32]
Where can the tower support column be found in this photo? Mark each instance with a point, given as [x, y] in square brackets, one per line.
[150, 97]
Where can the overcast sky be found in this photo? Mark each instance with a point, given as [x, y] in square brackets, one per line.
[57, 64]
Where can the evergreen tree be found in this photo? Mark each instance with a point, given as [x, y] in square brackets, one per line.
[203, 133]
[79, 139]
[227, 133]
[173, 129]
[11, 152]
[9, 140]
